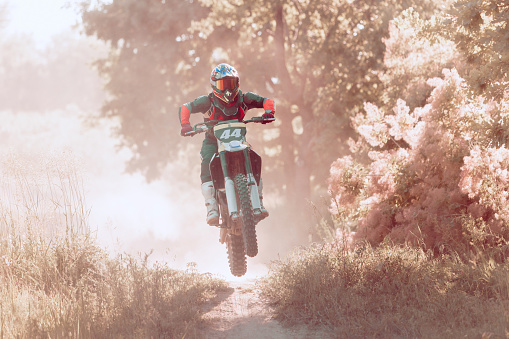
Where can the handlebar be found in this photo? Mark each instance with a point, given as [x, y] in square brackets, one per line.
[260, 120]
[206, 125]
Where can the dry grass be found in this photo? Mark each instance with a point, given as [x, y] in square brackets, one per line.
[55, 282]
[391, 292]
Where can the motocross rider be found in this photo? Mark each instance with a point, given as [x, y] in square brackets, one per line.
[226, 102]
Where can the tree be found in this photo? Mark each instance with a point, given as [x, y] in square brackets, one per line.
[319, 59]
[326, 59]
[152, 66]
[411, 59]
[437, 172]
[447, 190]
[479, 29]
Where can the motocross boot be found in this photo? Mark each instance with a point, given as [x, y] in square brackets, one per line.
[208, 192]
[264, 213]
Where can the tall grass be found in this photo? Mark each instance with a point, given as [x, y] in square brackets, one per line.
[391, 292]
[55, 282]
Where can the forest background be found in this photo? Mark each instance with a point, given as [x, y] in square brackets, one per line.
[409, 96]
[392, 128]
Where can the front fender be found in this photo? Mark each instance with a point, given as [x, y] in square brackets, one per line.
[217, 172]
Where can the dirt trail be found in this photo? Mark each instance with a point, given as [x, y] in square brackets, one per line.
[239, 312]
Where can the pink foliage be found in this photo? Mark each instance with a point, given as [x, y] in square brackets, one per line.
[346, 181]
[410, 60]
[485, 179]
[372, 126]
[385, 171]
[440, 188]
[377, 128]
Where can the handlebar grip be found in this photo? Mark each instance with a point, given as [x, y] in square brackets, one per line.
[260, 120]
[196, 130]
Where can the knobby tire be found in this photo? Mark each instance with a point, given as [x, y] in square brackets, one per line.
[234, 244]
[248, 220]
[236, 255]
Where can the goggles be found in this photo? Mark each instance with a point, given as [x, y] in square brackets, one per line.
[227, 83]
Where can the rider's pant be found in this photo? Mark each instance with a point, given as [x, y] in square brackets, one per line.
[208, 149]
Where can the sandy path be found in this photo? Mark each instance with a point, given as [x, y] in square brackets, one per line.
[239, 312]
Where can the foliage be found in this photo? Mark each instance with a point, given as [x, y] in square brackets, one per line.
[151, 68]
[389, 292]
[445, 179]
[325, 58]
[319, 60]
[479, 28]
[56, 282]
[411, 59]
[434, 170]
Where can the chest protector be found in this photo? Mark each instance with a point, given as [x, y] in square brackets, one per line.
[221, 111]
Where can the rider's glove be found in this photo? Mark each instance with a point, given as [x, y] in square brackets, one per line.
[268, 115]
[185, 128]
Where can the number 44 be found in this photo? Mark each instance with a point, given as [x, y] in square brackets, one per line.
[227, 135]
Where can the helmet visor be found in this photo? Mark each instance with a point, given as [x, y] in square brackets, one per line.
[227, 83]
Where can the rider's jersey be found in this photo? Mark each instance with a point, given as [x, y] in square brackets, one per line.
[214, 109]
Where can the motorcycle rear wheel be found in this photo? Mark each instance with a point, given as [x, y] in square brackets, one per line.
[236, 255]
[248, 220]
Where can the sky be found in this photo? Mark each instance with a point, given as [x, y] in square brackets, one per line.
[42, 19]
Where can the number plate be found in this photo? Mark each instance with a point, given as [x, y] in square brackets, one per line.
[227, 133]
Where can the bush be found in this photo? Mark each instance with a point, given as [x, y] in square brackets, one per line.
[390, 292]
[433, 176]
[56, 282]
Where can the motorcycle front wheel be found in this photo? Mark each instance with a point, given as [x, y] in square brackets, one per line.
[248, 220]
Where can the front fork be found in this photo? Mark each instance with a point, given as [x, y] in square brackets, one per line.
[251, 184]
[230, 186]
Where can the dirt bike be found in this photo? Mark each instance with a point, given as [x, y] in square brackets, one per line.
[235, 171]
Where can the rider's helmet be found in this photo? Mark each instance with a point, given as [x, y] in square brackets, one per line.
[224, 80]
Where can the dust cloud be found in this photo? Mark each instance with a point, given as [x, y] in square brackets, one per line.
[43, 111]
[127, 214]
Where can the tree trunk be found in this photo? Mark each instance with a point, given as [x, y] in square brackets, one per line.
[295, 148]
